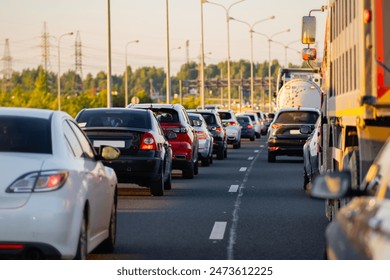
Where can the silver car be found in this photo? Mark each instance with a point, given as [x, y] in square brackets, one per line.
[232, 127]
[205, 148]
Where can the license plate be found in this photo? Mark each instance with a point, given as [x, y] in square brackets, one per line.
[117, 144]
[294, 131]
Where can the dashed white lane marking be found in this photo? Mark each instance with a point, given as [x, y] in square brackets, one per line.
[250, 158]
[256, 151]
[261, 146]
[233, 188]
[233, 228]
[218, 231]
[243, 169]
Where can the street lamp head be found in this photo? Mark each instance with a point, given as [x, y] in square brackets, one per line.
[272, 17]
[288, 30]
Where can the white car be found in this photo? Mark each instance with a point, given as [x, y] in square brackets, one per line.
[232, 127]
[205, 147]
[57, 199]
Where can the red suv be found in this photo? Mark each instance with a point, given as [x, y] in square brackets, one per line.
[183, 139]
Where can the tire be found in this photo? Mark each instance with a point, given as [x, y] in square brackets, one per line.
[157, 187]
[271, 157]
[252, 138]
[168, 182]
[205, 161]
[82, 245]
[305, 180]
[257, 135]
[196, 168]
[189, 173]
[220, 153]
[108, 245]
[225, 153]
[236, 146]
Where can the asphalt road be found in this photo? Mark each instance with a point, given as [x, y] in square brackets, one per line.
[241, 208]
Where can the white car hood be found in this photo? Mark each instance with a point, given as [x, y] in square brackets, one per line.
[12, 166]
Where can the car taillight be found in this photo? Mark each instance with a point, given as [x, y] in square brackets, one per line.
[249, 126]
[39, 182]
[148, 143]
[202, 135]
[9, 246]
[219, 129]
[276, 125]
[232, 123]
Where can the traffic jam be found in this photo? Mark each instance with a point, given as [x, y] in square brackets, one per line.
[62, 177]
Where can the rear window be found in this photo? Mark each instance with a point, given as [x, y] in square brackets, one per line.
[126, 118]
[209, 118]
[297, 117]
[242, 120]
[252, 117]
[225, 115]
[166, 115]
[25, 135]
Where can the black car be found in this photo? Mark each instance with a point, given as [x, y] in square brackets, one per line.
[215, 126]
[146, 156]
[174, 118]
[361, 228]
[289, 131]
[247, 129]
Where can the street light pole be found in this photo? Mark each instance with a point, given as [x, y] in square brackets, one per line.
[126, 74]
[269, 38]
[202, 99]
[286, 46]
[109, 79]
[59, 70]
[251, 39]
[168, 62]
[228, 43]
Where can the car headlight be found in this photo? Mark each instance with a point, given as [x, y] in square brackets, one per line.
[42, 181]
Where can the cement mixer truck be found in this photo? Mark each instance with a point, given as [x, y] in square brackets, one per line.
[299, 93]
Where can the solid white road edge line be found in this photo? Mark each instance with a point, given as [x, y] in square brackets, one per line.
[218, 231]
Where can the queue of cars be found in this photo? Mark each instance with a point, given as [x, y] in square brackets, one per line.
[61, 174]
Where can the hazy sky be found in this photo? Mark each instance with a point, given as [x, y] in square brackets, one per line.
[22, 21]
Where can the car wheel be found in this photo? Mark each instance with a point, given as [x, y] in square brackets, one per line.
[109, 244]
[205, 161]
[225, 153]
[257, 135]
[252, 138]
[305, 180]
[168, 182]
[271, 157]
[157, 188]
[188, 173]
[220, 153]
[82, 245]
[236, 146]
[196, 168]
